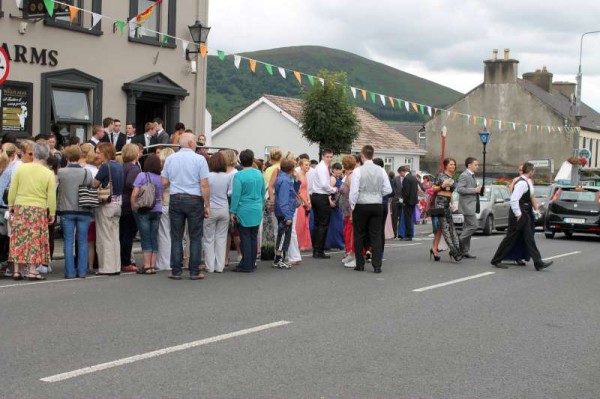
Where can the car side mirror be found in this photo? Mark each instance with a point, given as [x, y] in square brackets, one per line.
[499, 201]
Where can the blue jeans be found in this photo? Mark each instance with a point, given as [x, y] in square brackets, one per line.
[147, 224]
[248, 246]
[182, 208]
[69, 223]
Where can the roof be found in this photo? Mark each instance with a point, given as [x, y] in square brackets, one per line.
[372, 130]
[562, 105]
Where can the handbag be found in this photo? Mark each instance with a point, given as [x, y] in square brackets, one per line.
[88, 196]
[105, 193]
[145, 199]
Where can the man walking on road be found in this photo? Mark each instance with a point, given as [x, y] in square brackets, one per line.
[410, 198]
[519, 223]
[321, 190]
[187, 174]
[468, 204]
[370, 183]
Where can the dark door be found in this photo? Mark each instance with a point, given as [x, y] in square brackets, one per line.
[147, 110]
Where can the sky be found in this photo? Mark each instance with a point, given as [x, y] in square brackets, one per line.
[443, 41]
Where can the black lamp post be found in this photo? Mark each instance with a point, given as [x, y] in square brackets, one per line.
[199, 35]
[484, 137]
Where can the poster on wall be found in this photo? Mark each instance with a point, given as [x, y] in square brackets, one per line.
[16, 103]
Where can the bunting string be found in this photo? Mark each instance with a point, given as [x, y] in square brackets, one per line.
[135, 25]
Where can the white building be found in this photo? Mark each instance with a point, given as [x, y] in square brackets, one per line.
[274, 121]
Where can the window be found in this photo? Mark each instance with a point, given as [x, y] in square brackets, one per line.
[83, 20]
[408, 161]
[1, 12]
[70, 105]
[388, 164]
[146, 32]
[422, 139]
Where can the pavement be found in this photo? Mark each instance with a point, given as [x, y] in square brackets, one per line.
[421, 329]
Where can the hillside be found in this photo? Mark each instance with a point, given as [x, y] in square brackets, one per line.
[230, 90]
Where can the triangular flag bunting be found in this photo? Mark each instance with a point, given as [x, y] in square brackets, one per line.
[484, 121]
[282, 72]
[49, 6]
[422, 108]
[364, 94]
[372, 95]
[407, 106]
[184, 46]
[392, 101]
[203, 50]
[298, 76]
[132, 27]
[73, 11]
[429, 110]
[19, 3]
[237, 60]
[163, 39]
[221, 55]
[252, 65]
[120, 25]
[382, 97]
[269, 69]
[353, 90]
[322, 81]
[414, 106]
[399, 103]
[311, 79]
[95, 19]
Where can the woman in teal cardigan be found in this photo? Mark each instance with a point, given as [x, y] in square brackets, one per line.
[246, 209]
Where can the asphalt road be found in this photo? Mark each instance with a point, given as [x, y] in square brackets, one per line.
[513, 333]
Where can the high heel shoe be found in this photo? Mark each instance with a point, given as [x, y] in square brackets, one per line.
[435, 257]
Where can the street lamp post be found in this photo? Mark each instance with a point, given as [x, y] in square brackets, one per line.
[578, 116]
[484, 137]
[443, 153]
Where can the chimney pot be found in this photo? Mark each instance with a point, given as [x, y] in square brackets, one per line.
[495, 54]
[506, 54]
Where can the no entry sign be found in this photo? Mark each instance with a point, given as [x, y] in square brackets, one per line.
[4, 65]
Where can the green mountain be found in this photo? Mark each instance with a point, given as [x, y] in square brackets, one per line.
[229, 90]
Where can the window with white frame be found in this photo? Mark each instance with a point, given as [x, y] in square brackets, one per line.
[388, 164]
[408, 161]
[422, 139]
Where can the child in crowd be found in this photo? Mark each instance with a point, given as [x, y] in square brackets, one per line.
[285, 205]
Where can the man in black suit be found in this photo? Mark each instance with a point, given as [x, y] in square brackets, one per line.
[410, 199]
[117, 138]
[97, 135]
[108, 124]
[162, 137]
[397, 204]
[146, 139]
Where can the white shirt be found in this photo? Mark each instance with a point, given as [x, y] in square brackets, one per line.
[309, 177]
[518, 190]
[386, 188]
[321, 180]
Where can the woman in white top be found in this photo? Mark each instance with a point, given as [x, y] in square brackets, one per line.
[217, 225]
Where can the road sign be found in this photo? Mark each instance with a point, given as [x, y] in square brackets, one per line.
[585, 153]
[541, 163]
[4, 65]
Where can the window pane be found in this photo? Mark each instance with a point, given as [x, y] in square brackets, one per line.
[62, 13]
[152, 21]
[71, 105]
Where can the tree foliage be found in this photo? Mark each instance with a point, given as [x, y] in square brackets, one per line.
[329, 117]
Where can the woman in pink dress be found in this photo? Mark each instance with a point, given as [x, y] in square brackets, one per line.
[302, 218]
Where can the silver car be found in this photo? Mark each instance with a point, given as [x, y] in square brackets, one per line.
[494, 208]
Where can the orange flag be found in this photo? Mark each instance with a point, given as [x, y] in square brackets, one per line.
[414, 106]
[392, 101]
[73, 11]
[364, 94]
[252, 65]
[298, 76]
[203, 50]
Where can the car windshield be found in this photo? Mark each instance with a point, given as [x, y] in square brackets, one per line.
[542, 191]
[578, 196]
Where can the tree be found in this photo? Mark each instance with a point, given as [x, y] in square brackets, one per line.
[329, 116]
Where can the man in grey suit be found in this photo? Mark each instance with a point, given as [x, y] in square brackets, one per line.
[468, 204]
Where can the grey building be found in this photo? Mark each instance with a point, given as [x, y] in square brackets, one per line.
[74, 69]
[534, 100]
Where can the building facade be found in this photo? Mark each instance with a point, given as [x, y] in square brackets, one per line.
[72, 70]
[535, 100]
[274, 121]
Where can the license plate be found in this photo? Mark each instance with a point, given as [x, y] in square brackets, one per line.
[458, 218]
[574, 221]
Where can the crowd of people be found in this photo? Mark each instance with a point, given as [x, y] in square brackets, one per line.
[191, 206]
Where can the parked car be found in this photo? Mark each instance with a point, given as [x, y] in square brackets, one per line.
[494, 208]
[543, 196]
[573, 210]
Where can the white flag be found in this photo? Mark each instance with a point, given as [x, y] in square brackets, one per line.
[282, 72]
[236, 61]
[19, 3]
[322, 81]
[407, 106]
[132, 27]
[382, 99]
[353, 89]
[499, 124]
[95, 19]
[429, 111]
[184, 46]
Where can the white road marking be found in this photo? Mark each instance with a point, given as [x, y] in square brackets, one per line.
[562, 255]
[460, 280]
[402, 245]
[57, 281]
[160, 352]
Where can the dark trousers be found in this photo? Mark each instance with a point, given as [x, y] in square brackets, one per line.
[520, 229]
[127, 231]
[322, 214]
[384, 215]
[394, 208]
[284, 236]
[409, 224]
[398, 218]
[367, 221]
[248, 246]
[184, 208]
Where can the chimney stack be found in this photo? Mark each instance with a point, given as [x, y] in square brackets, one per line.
[499, 71]
[541, 78]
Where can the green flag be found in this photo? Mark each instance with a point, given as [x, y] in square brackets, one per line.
[49, 6]
[164, 39]
[221, 54]
[120, 25]
[311, 79]
[399, 103]
[372, 96]
[422, 108]
[269, 68]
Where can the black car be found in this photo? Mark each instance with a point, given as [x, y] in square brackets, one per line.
[543, 194]
[573, 210]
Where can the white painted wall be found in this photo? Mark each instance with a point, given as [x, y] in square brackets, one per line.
[262, 127]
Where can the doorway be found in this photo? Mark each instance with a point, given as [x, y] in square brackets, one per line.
[146, 111]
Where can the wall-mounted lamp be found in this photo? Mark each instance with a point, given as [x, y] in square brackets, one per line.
[199, 35]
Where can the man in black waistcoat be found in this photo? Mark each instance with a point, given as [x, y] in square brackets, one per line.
[519, 223]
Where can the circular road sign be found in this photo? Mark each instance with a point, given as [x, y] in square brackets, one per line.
[584, 153]
[4, 65]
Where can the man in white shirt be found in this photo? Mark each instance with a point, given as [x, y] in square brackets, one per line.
[370, 183]
[320, 190]
[97, 135]
[519, 223]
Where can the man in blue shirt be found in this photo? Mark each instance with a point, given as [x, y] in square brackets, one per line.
[187, 175]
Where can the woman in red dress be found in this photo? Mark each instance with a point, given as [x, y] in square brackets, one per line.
[302, 219]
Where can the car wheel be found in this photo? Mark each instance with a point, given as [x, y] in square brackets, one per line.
[501, 228]
[549, 234]
[488, 226]
[569, 234]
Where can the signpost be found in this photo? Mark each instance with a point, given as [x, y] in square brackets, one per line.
[584, 153]
[4, 65]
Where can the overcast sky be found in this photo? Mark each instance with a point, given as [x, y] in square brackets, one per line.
[441, 40]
